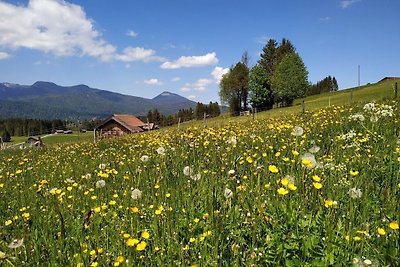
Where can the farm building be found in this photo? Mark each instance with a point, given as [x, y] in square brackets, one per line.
[122, 124]
[389, 79]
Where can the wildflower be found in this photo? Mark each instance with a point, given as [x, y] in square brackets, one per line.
[394, 225]
[357, 117]
[282, 191]
[367, 262]
[292, 187]
[88, 176]
[2, 255]
[273, 169]
[187, 171]
[354, 173]
[228, 193]
[144, 158]
[316, 178]
[381, 231]
[195, 177]
[16, 243]
[161, 150]
[8, 222]
[100, 183]
[285, 181]
[141, 246]
[132, 242]
[231, 172]
[102, 166]
[308, 161]
[314, 149]
[317, 185]
[328, 203]
[136, 194]
[297, 131]
[355, 193]
[145, 235]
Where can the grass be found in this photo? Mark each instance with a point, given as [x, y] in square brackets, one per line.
[57, 138]
[239, 193]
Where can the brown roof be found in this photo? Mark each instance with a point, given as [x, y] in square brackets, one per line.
[130, 122]
[389, 78]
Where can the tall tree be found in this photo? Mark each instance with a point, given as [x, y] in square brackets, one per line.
[234, 87]
[268, 57]
[290, 79]
[260, 92]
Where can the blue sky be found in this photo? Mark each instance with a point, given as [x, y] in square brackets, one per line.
[184, 46]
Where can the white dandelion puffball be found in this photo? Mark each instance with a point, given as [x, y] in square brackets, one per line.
[297, 131]
[144, 158]
[228, 193]
[102, 166]
[187, 171]
[161, 150]
[136, 194]
[100, 184]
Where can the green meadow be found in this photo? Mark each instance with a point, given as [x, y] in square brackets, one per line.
[282, 189]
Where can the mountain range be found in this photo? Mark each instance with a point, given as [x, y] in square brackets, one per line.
[47, 100]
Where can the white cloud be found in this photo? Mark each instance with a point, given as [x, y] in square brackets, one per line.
[191, 61]
[59, 28]
[200, 86]
[191, 97]
[175, 79]
[348, 3]
[131, 33]
[4, 55]
[218, 72]
[138, 54]
[152, 82]
[325, 19]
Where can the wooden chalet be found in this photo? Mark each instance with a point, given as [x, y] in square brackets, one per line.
[389, 79]
[122, 124]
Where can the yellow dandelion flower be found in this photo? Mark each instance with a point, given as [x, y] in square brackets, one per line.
[135, 209]
[126, 235]
[394, 225]
[381, 231]
[157, 212]
[273, 169]
[145, 235]
[292, 187]
[328, 203]
[284, 181]
[92, 252]
[282, 191]
[8, 222]
[167, 195]
[356, 238]
[354, 173]
[97, 209]
[317, 185]
[141, 246]
[192, 239]
[316, 178]
[295, 153]
[132, 242]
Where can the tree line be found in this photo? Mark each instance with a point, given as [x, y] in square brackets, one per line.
[278, 77]
[201, 110]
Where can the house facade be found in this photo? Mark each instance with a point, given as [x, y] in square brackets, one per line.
[121, 124]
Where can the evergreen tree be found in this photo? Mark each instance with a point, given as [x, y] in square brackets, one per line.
[5, 135]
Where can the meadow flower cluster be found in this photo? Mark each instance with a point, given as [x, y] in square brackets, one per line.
[316, 189]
